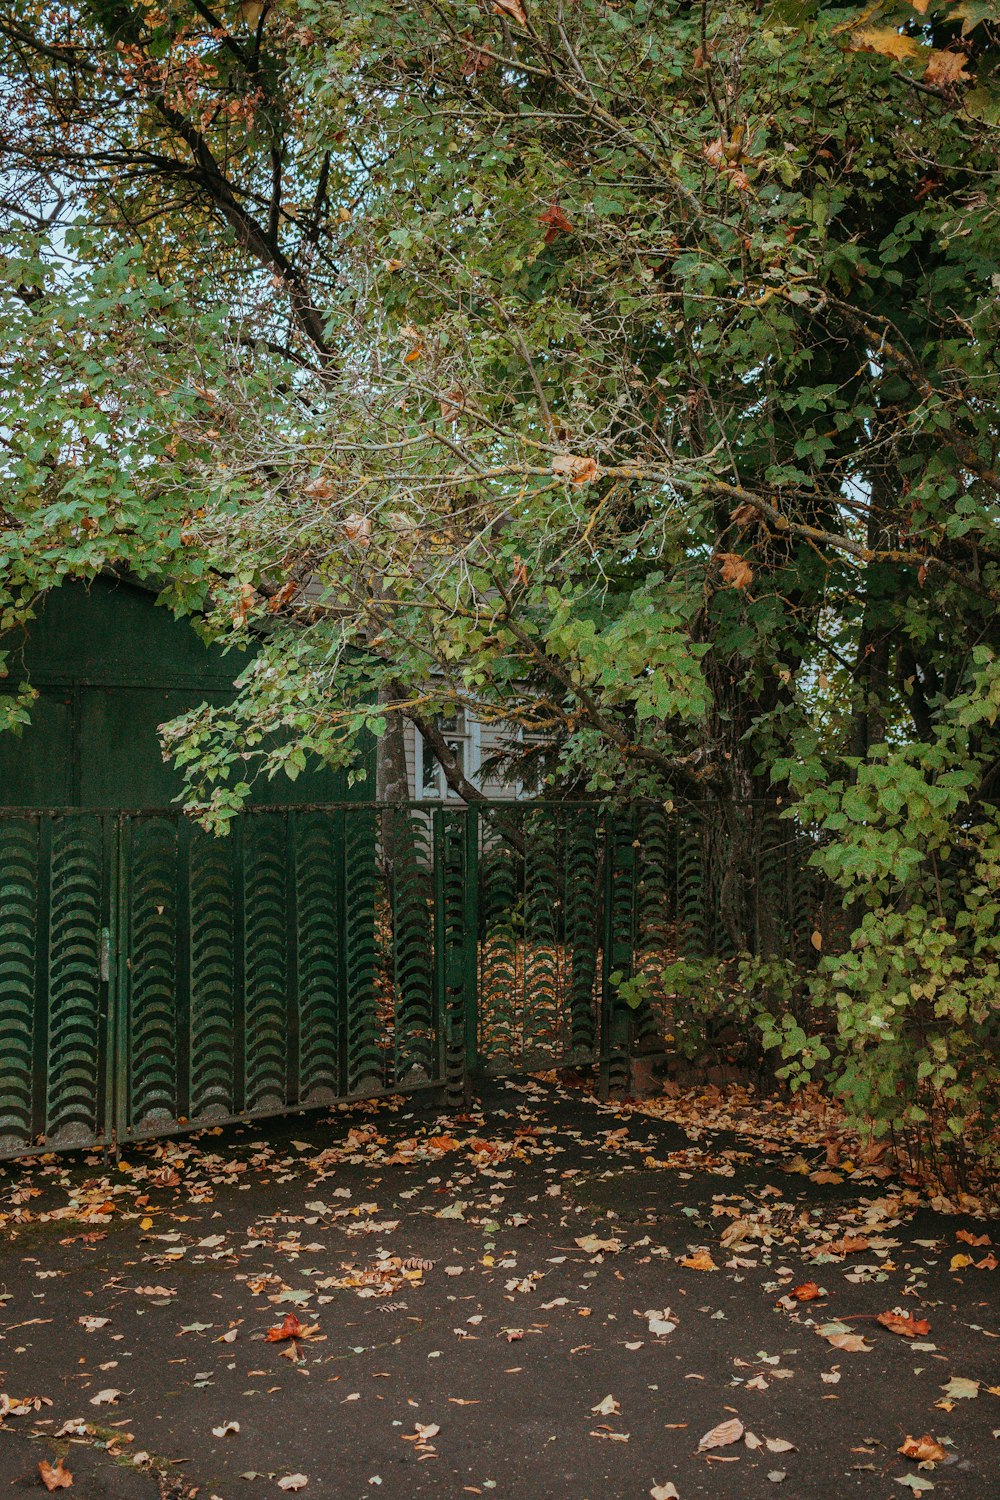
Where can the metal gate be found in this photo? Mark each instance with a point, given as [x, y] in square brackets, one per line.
[155, 978]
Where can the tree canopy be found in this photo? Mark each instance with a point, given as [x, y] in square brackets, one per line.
[625, 371]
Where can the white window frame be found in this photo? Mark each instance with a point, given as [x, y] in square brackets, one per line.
[471, 767]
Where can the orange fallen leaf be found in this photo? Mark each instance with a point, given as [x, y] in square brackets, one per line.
[807, 1292]
[55, 1476]
[290, 1328]
[905, 1324]
[925, 1449]
[849, 1245]
[968, 1238]
[701, 1260]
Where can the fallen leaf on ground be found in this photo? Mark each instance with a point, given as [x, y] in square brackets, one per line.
[701, 1260]
[904, 1323]
[225, 1429]
[666, 1491]
[968, 1238]
[293, 1482]
[593, 1245]
[290, 1328]
[106, 1397]
[609, 1407]
[842, 1338]
[961, 1389]
[722, 1435]
[850, 1244]
[924, 1449]
[807, 1292]
[55, 1476]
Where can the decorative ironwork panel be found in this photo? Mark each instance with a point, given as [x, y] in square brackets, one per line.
[22, 1020]
[318, 891]
[155, 977]
[407, 836]
[267, 959]
[363, 1055]
[75, 981]
[453, 944]
[216, 1001]
[544, 872]
[501, 923]
[582, 933]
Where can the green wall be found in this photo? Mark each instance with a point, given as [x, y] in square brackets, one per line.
[111, 667]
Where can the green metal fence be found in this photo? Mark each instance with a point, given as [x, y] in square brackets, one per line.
[154, 978]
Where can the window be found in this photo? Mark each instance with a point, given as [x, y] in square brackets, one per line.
[461, 734]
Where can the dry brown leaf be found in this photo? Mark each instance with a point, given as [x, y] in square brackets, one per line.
[736, 571]
[723, 1435]
[945, 69]
[968, 1238]
[55, 1476]
[849, 1245]
[851, 1343]
[925, 1449]
[358, 529]
[807, 1292]
[512, 8]
[320, 489]
[904, 1324]
[556, 223]
[451, 404]
[575, 466]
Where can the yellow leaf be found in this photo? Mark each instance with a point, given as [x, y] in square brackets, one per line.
[886, 40]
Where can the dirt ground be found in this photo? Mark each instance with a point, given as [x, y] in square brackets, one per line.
[540, 1299]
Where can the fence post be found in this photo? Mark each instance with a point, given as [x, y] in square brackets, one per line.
[618, 946]
[470, 926]
[451, 948]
